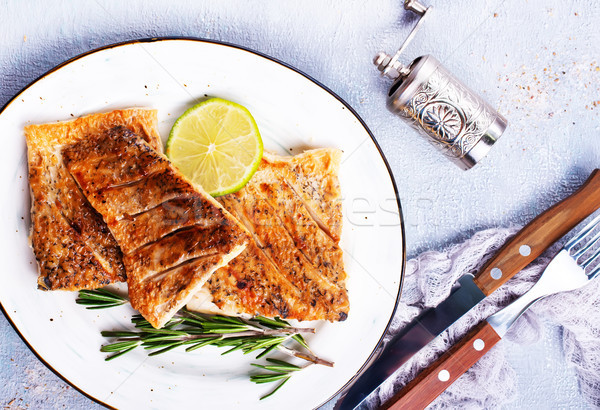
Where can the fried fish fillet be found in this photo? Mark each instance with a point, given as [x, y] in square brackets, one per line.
[72, 244]
[294, 267]
[173, 235]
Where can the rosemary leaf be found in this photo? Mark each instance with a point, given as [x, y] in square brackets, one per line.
[271, 323]
[166, 349]
[99, 299]
[121, 353]
[193, 321]
[118, 346]
[233, 349]
[108, 305]
[266, 342]
[164, 332]
[159, 339]
[298, 338]
[119, 334]
[267, 378]
[230, 320]
[275, 389]
[290, 366]
[201, 344]
[267, 351]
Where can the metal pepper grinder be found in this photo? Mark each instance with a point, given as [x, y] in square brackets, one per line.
[434, 102]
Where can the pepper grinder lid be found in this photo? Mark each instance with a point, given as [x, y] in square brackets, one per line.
[438, 105]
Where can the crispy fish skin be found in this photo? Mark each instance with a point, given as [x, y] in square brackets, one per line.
[73, 246]
[187, 234]
[294, 266]
[313, 175]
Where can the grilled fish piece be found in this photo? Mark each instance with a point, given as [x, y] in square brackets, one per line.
[173, 235]
[72, 244]
[294, 266]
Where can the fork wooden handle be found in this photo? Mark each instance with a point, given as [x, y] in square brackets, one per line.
[539, 234]
[432, 381]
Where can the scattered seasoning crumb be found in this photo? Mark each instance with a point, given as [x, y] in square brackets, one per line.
[495, 15]
[24, 39]
[145, 86]
[52, 320]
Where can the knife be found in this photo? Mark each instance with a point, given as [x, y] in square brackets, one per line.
[572, 268]
[517, 253]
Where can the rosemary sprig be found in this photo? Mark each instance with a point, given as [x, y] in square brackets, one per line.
[99, 299]
[194, 331]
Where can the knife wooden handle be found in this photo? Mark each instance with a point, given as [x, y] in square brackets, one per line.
[539, 234]
[432, 381]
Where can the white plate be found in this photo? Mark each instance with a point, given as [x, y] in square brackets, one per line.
[292, 112]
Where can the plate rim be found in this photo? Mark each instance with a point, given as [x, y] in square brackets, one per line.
[377, 347]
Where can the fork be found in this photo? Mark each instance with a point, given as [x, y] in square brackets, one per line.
[572, 267]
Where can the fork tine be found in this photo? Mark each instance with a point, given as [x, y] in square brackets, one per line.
[582, 234]
[589, 260]
[594, 272]
[587, 246]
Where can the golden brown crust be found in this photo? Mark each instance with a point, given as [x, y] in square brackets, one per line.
[72, 244]
[294, 267]
[314, 177]
[179, 251]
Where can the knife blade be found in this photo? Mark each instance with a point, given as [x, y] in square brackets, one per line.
[518, 252]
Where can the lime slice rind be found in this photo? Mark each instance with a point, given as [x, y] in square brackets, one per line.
[217, 145]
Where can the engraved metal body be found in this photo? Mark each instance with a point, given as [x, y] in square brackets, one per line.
[434, 102]
[456, 120]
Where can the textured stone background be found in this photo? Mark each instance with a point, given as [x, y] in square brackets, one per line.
[537, 61]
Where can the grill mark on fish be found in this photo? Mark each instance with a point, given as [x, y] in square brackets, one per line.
[238, 213]
[318, 221]
[178, 253]
[73, 246]
[284, 234]
[172, 249]
[77, 230]
[317, 247]
[287, 293]
[279, 247]
[132, 182]
[141, 196]
[161, 220]
[255, 283]
[158, 275]
[313, 176]
[156, 297]
[104, 167]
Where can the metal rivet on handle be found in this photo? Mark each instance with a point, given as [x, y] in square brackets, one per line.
[478, 345]
[444, 375]
[525, 250]
[496, 273]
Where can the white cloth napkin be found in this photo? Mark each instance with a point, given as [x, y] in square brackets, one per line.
[491, 382]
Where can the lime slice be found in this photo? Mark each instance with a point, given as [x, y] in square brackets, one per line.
[216, 144]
